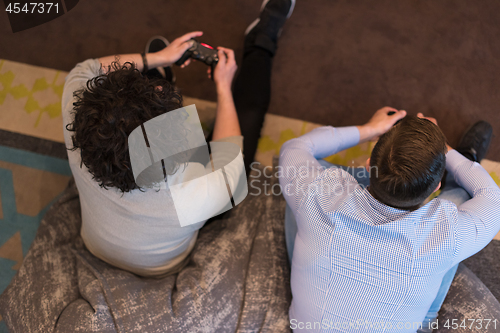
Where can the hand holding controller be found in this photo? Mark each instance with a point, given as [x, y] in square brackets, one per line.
[226, 68]
[201, 52]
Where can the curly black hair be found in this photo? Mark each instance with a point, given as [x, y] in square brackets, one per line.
[107, 111]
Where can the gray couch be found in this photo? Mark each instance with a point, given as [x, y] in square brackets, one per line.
[237, 280]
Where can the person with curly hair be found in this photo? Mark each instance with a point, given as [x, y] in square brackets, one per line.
[105, 99]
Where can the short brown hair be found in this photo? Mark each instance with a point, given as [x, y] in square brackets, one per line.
[410, 160]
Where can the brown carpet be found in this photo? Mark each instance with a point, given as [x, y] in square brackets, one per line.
[337, 63]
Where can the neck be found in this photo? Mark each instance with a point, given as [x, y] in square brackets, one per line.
[412, 208]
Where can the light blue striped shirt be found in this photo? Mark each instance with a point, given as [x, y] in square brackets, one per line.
[357, 261]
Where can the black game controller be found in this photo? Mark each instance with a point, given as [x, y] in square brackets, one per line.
[201, 52]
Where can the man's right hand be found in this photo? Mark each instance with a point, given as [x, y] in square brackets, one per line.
[434, 121]
[431, 119]
[225, 69]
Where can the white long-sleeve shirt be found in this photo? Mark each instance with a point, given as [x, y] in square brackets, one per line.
[136, 231]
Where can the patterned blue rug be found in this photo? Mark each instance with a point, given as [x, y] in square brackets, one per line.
[33, 172]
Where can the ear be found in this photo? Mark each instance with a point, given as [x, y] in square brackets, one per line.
[367, 165]
[437, 188]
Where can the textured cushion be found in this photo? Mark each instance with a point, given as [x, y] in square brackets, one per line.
[468, 299]
[237, 279]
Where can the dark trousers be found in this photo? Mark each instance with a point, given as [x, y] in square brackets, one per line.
[252, 94]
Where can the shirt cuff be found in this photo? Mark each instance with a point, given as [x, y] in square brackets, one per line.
[330, 140]
[349, 136]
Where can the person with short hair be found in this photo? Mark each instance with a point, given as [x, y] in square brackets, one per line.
[368, 253]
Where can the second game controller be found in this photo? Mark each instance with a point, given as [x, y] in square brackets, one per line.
[201, 52]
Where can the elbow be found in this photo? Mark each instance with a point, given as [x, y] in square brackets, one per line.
[283, 149]
[286, 146]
